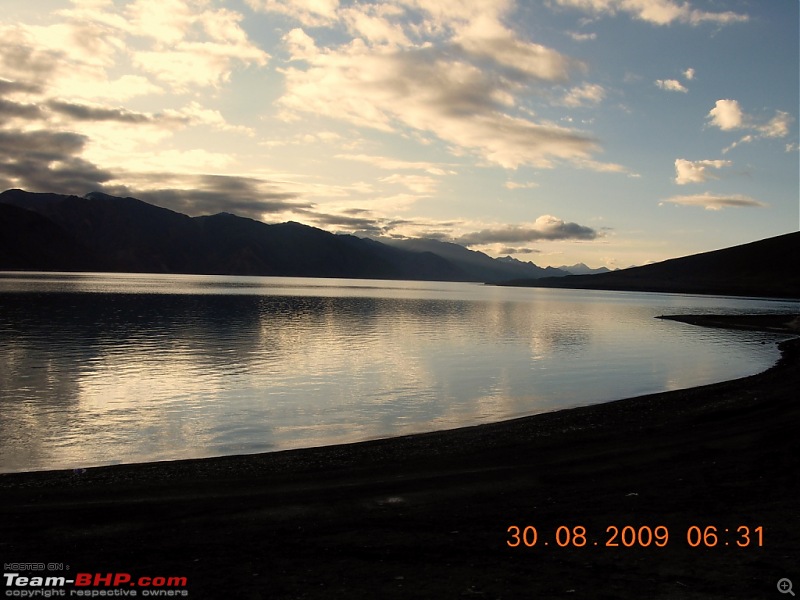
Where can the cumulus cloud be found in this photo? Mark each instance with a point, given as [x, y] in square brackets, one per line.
[711, 201]
[671, 85]
[546, 227]
[728, 115]
[689, 74]
[698, 171]
[656, 12]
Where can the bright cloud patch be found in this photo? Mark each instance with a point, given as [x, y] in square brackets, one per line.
[671, 85]
[728, 115]
[715, 201]
[459, 75]
[588, 93]
[657, 12]
[698, 171]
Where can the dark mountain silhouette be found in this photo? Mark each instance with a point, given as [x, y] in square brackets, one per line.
[582, 269]
[107, 233]
[764, 268]
[29, 241]
[478, 266]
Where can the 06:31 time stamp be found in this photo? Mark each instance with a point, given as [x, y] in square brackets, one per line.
[628, 536]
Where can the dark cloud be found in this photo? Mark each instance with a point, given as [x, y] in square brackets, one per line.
[212, 194]
[22, 61]
[81, 112]
[360, 226]
[10, 87]
[545, 228]
[510, 250]
[47, 161]
[9, 109]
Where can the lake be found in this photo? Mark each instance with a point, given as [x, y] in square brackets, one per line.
[102, 369]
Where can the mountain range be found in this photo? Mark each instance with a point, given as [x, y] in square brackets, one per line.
[98, 232]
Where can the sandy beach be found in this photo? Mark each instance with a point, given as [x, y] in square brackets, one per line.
[714, 468]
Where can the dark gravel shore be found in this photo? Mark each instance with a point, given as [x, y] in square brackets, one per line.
[428, 516]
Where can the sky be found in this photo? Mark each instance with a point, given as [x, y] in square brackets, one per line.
[608, 132]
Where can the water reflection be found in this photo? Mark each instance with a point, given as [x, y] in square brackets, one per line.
[100, 369]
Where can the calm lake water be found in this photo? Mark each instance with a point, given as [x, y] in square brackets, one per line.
[100, 369]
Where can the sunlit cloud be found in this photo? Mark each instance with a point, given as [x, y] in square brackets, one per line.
[383, 162]
[459, 78]
[697, 171]
[583, 95]
[514, 185]
[671, 85]
[728, 115]
[656, 12]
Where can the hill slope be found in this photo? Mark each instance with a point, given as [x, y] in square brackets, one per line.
[763, 268]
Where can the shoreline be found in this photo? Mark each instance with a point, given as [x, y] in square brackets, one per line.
[427, 515]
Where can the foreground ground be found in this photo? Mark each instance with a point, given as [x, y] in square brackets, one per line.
[428, 516]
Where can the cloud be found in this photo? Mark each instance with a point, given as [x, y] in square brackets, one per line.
[689, 74]
[698, 171]
[457, 72]
[311, 13]
[430, 90]
[82, 112]
[8, 87]
[671, 85]
[383, 162]
[588, 93]
[711, 201]
[546, 227]
[49, 161]
[513, 185]
[419, 184]
[183, 44]
[210, 194]
[656, 12]
[10, 109]
[511, 250]
[728, 115]
[582, 37]
[776, 127]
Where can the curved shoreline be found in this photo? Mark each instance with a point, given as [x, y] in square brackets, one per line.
[433, 509]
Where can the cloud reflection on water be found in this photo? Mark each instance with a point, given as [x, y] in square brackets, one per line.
[95, 377]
